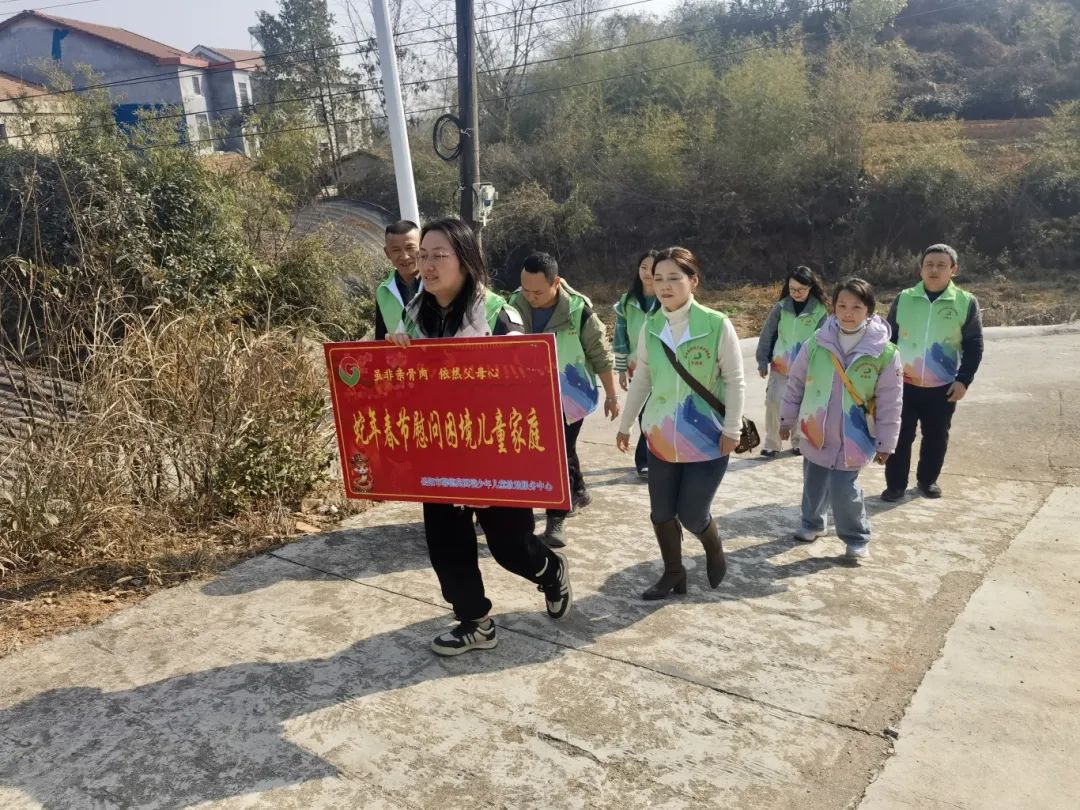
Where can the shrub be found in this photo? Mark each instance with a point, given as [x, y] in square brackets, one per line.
[311, 282]
[184, 421]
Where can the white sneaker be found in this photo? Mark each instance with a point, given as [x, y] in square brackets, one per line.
[807, 535]
[857, 554]
[466, 636]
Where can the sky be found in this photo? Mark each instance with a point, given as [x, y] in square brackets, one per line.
[187, 23]
[179, 23]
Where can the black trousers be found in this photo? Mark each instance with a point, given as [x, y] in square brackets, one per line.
[930, 408]
[451, 542]
[577, 480]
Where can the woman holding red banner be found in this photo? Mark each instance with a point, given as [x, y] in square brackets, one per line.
[454, 302]
[689, 378]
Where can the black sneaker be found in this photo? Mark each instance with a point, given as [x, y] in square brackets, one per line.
[929, 490]
[558, 595]
[892, 495]
[466, 636]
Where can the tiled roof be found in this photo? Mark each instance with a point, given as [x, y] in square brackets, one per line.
[164, 54]
[247, 59]
[13, 87]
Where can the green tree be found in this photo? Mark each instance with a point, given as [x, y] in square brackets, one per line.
[765, 135]
[303, 65]
[851, 92]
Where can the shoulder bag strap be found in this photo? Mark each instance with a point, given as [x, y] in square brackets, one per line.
[697, 387]
[847, 383]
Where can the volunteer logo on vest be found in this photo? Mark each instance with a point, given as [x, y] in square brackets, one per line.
[698, 356]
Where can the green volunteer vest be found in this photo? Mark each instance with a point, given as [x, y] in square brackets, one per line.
[793, 331]
[493, 305]
[930, 336]
[388, 300]
[820, 375]
[678, 424]
[580, 392]
[635, 319]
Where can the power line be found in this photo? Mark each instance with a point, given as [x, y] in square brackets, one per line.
[151, 77]
[559, 88]
[544, 21]
[453, 23]
[43, 8]
[420, 82]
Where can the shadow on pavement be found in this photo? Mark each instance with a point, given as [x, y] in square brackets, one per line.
[377, 550]
[219, 733]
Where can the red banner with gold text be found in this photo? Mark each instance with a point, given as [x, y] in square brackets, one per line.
[467, 421]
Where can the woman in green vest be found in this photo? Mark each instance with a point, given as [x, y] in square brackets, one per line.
[455, 303]
[799, 313]
[630, 313]
[684, 348]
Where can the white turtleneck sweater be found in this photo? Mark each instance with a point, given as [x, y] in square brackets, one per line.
[729, 362]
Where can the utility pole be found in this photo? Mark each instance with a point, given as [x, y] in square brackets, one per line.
[395, 114]
[468, 115]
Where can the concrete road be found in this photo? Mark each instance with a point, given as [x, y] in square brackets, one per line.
[303, 678]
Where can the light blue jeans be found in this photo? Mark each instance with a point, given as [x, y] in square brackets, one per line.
[823, 487]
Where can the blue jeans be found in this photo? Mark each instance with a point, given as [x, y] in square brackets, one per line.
[684, 491]
[840, 488]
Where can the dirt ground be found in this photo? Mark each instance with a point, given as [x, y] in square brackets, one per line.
[33, 607]
[36, 605]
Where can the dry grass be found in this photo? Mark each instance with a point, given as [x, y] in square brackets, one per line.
[189, 443]
[997, 148]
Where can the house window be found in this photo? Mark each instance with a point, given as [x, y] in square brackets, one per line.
[196, 85]
[245, 95]
[202, 126]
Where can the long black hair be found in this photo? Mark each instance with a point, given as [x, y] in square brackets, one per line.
[637, 288]
[430, 317]
[808, 278]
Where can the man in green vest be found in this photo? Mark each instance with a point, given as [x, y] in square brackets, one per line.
[549, 304]
[401, 246]
[937, 328]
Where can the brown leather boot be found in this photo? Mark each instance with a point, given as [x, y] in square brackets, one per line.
[715, 564]
[669, 536]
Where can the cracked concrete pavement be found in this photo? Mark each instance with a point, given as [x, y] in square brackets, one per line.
[303, 678]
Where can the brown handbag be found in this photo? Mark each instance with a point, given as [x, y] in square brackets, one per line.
[748, 433]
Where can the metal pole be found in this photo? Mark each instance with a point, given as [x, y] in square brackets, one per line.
[395, 113]
[468, 114]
